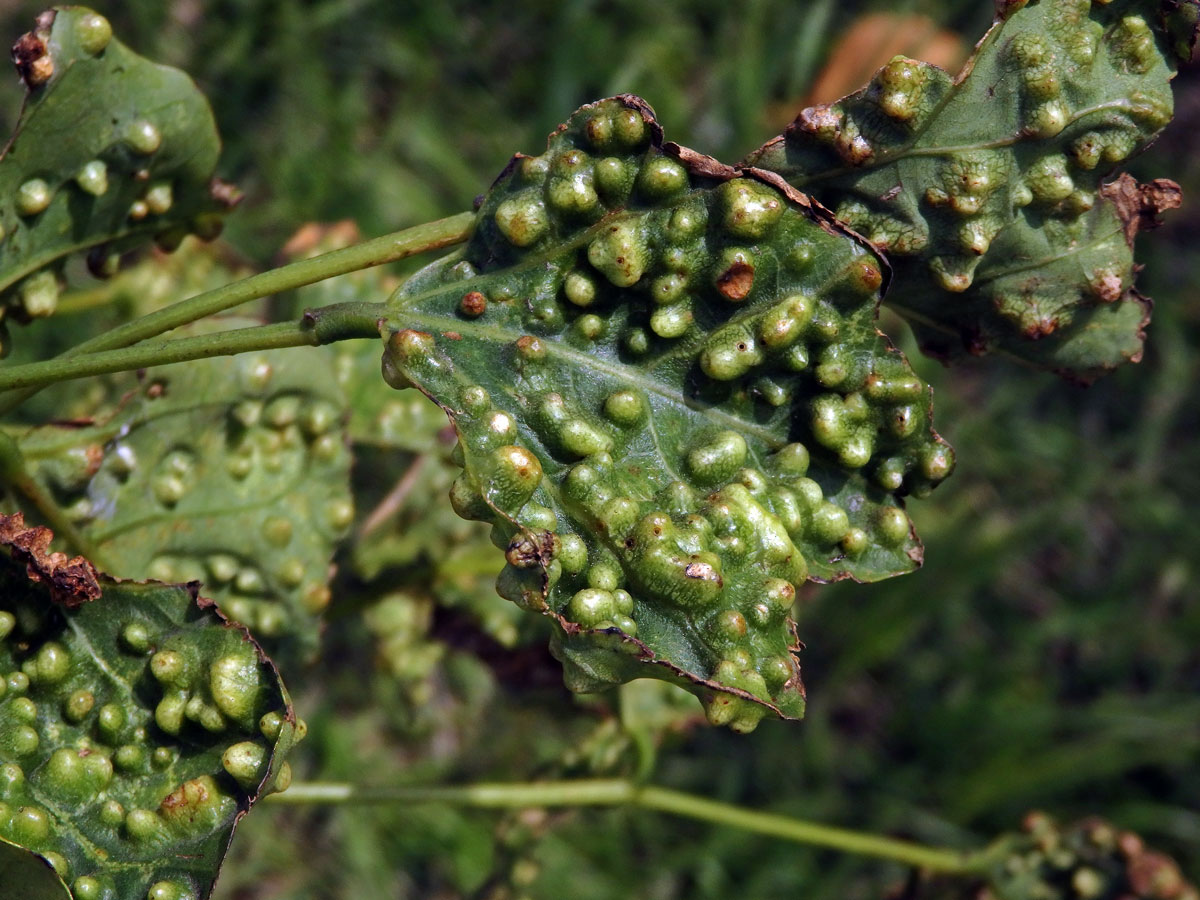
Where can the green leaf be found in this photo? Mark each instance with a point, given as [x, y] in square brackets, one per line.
[673, 406]
[136, 725]
[986, 191]
[234, 474]
[110, 152]
[27, 876]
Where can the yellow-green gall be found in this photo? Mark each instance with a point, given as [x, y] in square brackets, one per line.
[620, 252]
[629, 128]
[892, 526]
[142, 825]
[730, 353]
[515, 474]
[33, 197]
[661, 178]
[522, 219]
[671, 321]
[614, 179]
[750, 209]
[784, 323]
[93, 178]
[572, 554]
[77, 705]
[625, 408]
[829, 523]
[573, 195]
[590, 607]
[245, 761]
[236, 686]
[93, 32]
[717, 458]
[143, 137]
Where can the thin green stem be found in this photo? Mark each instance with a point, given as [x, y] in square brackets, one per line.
[377, 251]
[309, 332]
[620, 792]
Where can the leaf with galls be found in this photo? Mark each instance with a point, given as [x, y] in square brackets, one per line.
[137, 726]
[111, 151]
[672, 404]
[234, 474]
[987, 190]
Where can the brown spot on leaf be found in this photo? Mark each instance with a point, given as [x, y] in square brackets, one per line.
[736, 281]
[31, 56]
[72, 581]
[1140, 205]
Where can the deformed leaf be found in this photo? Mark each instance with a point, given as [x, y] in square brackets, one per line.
[673, 406]
[110, 151]
[136, 728]
[986, 191]
[234, 474]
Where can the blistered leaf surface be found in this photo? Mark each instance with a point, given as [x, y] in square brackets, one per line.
[986, 191]
[673, 406]
[231, 473]
[110, 151]
[135, 727]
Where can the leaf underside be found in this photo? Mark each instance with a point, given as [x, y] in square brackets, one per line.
[233, 474]
[986, 191]
[136, 725]
[110, 152]
[673, 406]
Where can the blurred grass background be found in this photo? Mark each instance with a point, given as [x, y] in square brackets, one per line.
[1047, 656]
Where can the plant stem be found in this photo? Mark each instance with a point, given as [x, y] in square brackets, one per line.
[306, 333]
[620, 792]
[377, 251]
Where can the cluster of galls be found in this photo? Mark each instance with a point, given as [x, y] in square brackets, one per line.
[124, 172]
[278, 431]
[1077, 73]
[76, 746]
[681, 337]
[1090, 860]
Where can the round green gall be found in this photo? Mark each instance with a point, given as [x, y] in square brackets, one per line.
[623, 601]
[515, 475]
[661, 178]
[270, 725]
[636, 341]
[33, 197]
[167, 890]
[93, 178]
[51, 664]
[93, 32]
[729, 626]
[718, 458]
[604, 576]
[22, 709]
[855, 451]
[750, 209]
[829, 523]
[136, 637]
[18, 682]
[599, 130]
[22, 740]
[64, 774]
[39, 294]
[620, 252]
[892, 526]
[86, 887]
[730, 354]
[142, 825]
[580, 288]
[572, 554]
[522, 219]
[800, 256]
[339, 513]
[283, 780]
[245, 762]
[671, 321]
[783, 324]
[169, 667]
[162, 757]
[169, 712]
[625, 408]
[619, 515]
[534, 168]
[776, 671]
[855, 542]
[138, 210]
[7, 623]
[575, 195]
[159, 199]
[590, 607]
[937, 462]
[131, 758]
[1048, 180]
[1048, 119]
[780, 594]
[590, 327]
[29, 826]
[111, 813]
[235, 686]
[687, 221]
[58, 863]
[667, 289]
[143, 137]
[536, 517]
[111, 721]
[530, 349]
[792, 458]
[625, 624]
[629, 129]
[614, 179]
